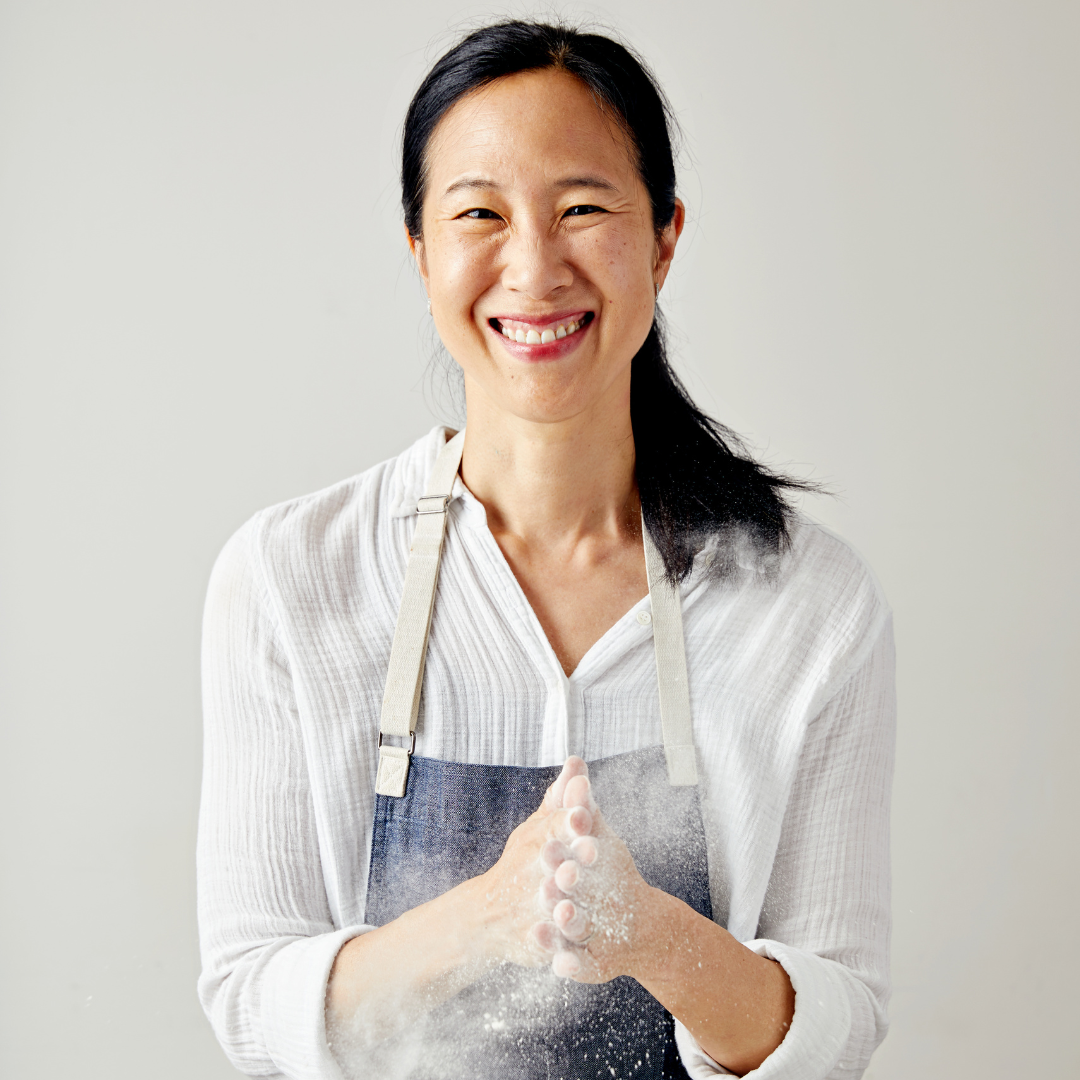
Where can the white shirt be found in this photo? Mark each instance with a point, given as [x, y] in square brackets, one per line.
[792, 693]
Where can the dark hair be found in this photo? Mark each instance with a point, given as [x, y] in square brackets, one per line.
[695, 479]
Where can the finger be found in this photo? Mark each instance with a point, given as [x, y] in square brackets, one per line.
[553, 853]
[578, 822]
[567, 876]
[572, 922]
[573, 766]
[549, 895]
[577, 792]
[554, 795]
[566, 964]
[546, 936]
[584, 851]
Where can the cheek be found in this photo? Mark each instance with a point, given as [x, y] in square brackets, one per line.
[622, 264]
[627, 268]
[459, 272]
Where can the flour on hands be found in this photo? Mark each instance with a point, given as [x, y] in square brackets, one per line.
[591, 888]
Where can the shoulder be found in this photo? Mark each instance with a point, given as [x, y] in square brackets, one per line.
[842, 607]
[815, 620]
[385, 491]
[822, 568]
[320, 535]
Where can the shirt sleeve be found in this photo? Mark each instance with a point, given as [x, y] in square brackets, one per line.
[826, 915]
[266, 933]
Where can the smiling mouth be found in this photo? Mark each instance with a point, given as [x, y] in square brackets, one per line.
[536, 334]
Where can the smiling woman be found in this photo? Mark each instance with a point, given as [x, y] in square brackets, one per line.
[559, 746]
[536, 224]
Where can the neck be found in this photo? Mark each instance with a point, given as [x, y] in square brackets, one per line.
[556, 482]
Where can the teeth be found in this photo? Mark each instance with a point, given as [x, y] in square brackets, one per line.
[544, 337]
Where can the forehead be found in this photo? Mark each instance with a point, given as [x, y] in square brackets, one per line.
[537, 121]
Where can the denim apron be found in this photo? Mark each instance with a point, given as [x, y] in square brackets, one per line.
[438, 823]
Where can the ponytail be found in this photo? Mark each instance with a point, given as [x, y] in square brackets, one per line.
[696, 482]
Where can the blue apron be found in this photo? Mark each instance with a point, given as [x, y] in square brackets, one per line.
[444, 822]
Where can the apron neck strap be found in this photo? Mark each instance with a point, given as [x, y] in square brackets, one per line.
[667, 624]
[405, 676]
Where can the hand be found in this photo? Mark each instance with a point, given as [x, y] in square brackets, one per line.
[596, 901]
[508, 896]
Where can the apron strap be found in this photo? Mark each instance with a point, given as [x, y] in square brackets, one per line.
[675, 718]
[405, 677]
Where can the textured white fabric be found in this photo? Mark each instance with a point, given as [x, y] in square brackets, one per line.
[791, 688]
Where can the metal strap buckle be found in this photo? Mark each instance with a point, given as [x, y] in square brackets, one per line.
[412, 742]
[433, 504]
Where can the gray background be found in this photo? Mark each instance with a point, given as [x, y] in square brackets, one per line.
[207, 308]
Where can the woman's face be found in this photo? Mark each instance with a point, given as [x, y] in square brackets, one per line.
[538, 248]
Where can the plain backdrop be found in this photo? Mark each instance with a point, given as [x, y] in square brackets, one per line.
[207, 308]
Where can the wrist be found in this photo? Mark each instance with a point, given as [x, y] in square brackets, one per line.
[465, 908]
[478, 921]
[660, 931]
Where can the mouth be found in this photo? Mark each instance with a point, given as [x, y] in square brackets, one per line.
[534, 332]
[531, 338]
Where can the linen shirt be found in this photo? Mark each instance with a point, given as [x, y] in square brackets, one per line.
[792, 695]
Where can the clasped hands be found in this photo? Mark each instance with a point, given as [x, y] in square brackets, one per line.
[566, 891]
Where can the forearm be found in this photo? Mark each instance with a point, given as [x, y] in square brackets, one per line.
[736, 1004]
[382, 979]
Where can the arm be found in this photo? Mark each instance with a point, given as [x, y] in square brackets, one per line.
[805, 1000]
[826, 915]
[738, 1004]
[266, 934]
[381, 981]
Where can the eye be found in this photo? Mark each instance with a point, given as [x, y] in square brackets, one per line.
[581, 211]
[479, 213]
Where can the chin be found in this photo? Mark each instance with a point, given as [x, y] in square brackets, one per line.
[556, 404]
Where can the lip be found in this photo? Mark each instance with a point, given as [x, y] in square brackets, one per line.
[553, 350]
[544, 320]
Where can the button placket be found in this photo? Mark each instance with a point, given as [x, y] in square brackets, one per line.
[575, 718]
[556, 738]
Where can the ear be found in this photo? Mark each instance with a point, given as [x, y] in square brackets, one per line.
[665, 244]
[416, 249]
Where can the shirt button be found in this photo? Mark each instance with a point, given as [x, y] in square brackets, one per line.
[644, 618]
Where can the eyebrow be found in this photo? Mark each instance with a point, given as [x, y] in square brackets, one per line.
[479, 183]
[586, 181]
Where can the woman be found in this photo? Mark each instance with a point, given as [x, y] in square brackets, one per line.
[406, 867]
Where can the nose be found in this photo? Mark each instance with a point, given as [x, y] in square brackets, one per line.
[533, 263]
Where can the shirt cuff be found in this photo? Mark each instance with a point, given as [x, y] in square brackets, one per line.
[698, 1064]
[293, 1005]
[819, 1029]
